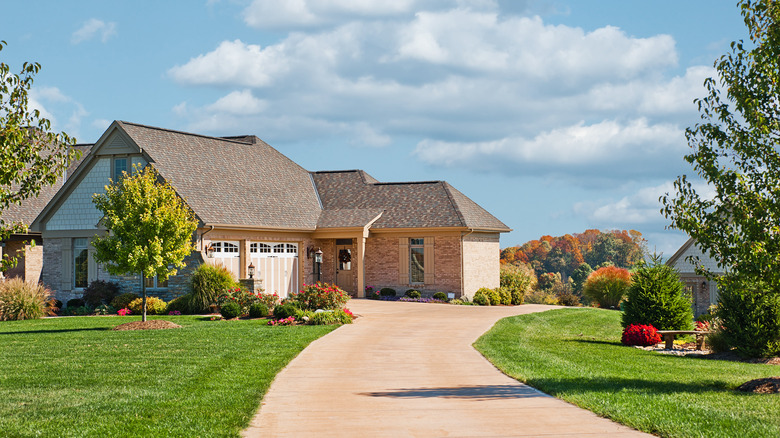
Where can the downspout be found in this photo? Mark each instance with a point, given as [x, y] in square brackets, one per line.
[201, 237]
[463, 263]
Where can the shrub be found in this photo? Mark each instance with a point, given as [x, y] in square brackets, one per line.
[258, 310]
[568, 298]
[440, 296]
[124, 312]
[387, 292]
[749, 312]
[75, 302]
[270, 300]
[542, 297]
[21, 300]
[178, 304]
[412, 293]
[518, 281]
[717, 342]
[506, 296]
[636, 334]
[230, 310]
[284, 311]
[481, 297]
[207, 283]
[320, 296]
[121, 301]
[104, 309]
[548, 280]
[493, 296]
[607, 286]
[154, 306]
[657, 297]
[338, 316]
[242, 297]
[100, 292]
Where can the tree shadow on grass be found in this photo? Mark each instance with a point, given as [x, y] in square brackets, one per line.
[474, 392]
[612, 385]
[23, 332]
[594, 341]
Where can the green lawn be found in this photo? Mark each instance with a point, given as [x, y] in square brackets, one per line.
[76, 377]
[576, 355]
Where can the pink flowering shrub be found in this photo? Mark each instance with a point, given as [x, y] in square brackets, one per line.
[285, 321]
[124, 312]
[320, 296]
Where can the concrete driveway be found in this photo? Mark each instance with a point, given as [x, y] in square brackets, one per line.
[409, 370]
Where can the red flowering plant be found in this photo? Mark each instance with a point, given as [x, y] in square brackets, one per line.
[242, 297]
[703, 326]
[320, 296]
[270, 300]
[640, 334]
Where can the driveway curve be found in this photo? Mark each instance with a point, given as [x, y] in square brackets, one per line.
[409, 370]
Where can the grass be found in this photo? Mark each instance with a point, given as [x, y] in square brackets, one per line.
[576, 355]
[77, 377]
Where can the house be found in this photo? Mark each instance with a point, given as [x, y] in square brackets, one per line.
[256, 207]
[28, 247]
[704, 292]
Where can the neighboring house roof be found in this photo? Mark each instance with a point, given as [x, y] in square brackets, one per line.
[680, 259]
[31, 207]
[404, 205]
[236, 181]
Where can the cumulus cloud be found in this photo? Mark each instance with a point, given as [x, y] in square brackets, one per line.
[476, 87]
[638, 208]
[597, 147]
[50, 101]
[94, 28]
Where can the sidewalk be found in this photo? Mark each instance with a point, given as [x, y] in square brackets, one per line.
[409, 370]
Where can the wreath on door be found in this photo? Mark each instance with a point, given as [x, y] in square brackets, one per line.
[345, 256]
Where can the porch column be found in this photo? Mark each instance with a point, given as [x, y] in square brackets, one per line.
[243, 259]
[361, 256]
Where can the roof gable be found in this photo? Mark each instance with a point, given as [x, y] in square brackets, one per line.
[426, 204]
[680, 262]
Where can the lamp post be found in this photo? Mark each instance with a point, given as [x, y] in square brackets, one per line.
[318, 264]
[210, 251]
[251, 270]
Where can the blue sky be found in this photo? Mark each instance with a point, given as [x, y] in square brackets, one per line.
[556, 116]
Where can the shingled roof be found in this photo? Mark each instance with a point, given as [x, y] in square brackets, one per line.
[31, 207]
[237, 180]
[404, 205]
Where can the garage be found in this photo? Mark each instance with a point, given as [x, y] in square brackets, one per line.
[277, 265]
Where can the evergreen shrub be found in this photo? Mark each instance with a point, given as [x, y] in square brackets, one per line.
[412, 293]
[154, 306]
[230, 310]
[121, 301]
[657, 297]
[100, 292]
[749, 312]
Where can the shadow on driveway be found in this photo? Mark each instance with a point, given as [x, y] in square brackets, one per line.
[479, 392]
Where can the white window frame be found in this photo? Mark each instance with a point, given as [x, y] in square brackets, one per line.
[225, 249]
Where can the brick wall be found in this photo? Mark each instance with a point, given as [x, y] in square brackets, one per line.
[382, 265]
[51, 274]
[481, 262]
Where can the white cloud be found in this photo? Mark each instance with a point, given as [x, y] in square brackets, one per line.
[94, 28]
[597, 146]
[476, 88]
[640, 207]
[50, 101]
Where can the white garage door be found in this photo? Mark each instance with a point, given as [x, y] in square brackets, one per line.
[277, 265]
[226, 254]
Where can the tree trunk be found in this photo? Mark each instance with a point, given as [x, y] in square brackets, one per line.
[143, 295]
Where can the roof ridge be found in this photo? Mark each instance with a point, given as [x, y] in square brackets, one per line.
[399, 183]
[455, 205]
[157, 128]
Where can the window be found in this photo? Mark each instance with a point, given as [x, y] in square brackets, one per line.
[292, 249]
[259, 248]
[120, 166]
[80, 263]
[416, 260]
[225, 249]
[279, 249]
[155, 283]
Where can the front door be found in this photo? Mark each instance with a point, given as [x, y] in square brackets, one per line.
[344, 278]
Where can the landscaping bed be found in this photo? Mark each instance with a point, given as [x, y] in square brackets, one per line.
[576, 355]
[77, 377]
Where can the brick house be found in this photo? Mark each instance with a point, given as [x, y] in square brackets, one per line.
[28, 247]
[703, 291]
[256, 206]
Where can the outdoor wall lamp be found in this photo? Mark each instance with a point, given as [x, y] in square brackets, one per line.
[318, 256]
[210, 251]
[318, 264]
[251, 270]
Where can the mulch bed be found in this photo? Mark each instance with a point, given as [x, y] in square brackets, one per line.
[152, 324]
[768, 385]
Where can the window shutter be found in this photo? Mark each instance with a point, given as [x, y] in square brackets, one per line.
[428, 254]
[67, 265]
[403, 260]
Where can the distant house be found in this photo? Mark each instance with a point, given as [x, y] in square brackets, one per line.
[703, 292]
[28, 247]
[256, 206]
